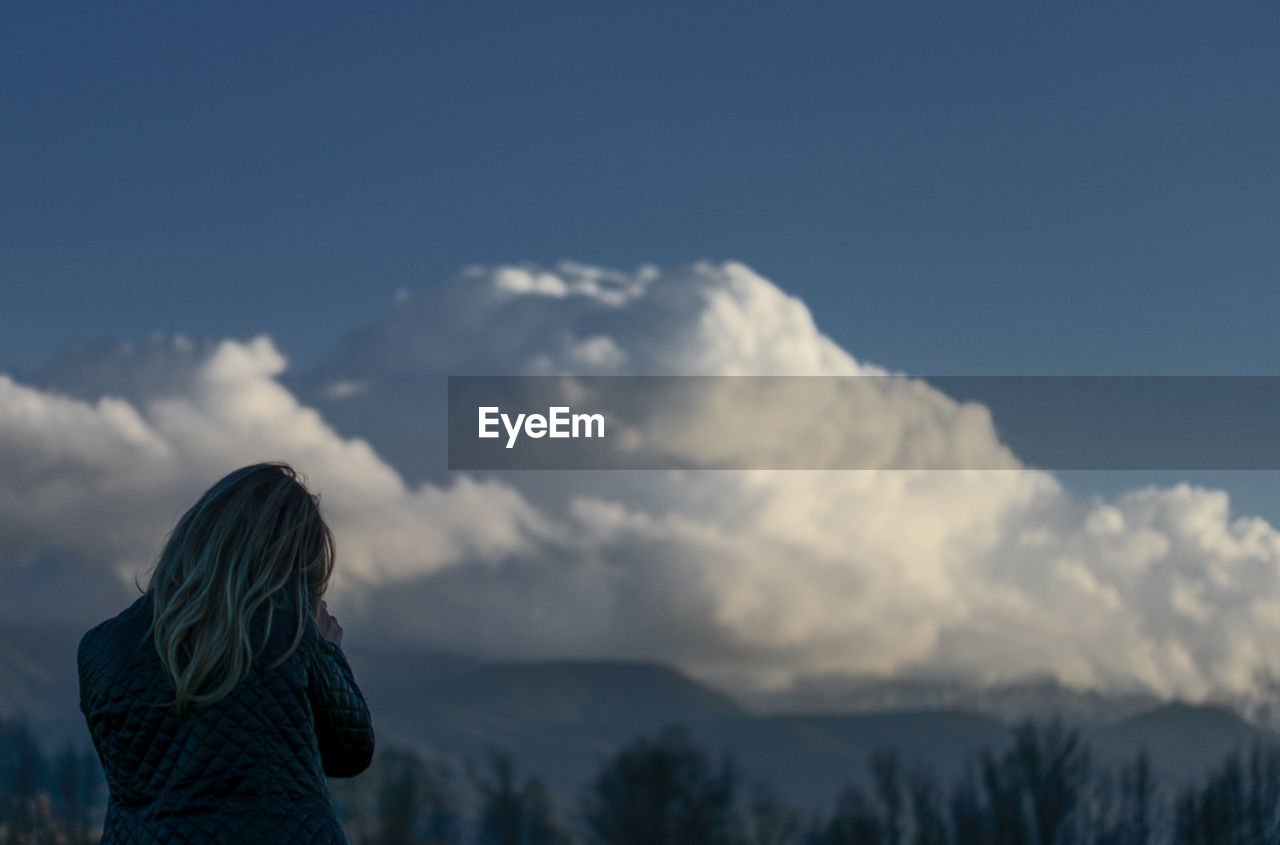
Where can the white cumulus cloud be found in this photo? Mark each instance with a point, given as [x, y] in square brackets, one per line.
[753, 578]
[104, 479]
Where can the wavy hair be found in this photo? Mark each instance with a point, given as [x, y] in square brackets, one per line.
[252, 541]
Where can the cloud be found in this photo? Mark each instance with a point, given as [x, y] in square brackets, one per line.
[754, 579]
[103, 480]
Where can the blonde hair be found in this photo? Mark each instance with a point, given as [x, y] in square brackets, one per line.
[254, 539]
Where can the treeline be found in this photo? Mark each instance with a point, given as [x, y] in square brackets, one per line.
[50, 800]
[1040, 789]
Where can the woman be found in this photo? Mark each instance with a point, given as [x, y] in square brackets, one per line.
[220, 700]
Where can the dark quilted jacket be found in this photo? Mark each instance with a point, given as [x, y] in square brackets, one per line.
[249, 768]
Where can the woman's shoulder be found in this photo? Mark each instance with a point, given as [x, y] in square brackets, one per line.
[111, 644]
[134, 620]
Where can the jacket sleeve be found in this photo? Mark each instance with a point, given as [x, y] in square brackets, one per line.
[344, 728]
[84, 671]
[94, 668]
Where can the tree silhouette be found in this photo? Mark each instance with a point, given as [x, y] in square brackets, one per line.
[1007, 822]
[74, 787]
[1263, 802]
[969, 819]
[1052, 764]
[1039, 789]
[515, 816]
[502, 811]
[1137, 790]
[886, 775]
[1239, 803]
[925, 800]
[402, 773]
[771, 822]
[855, 822]
[415, 800]
[22, 775]
[662, 792]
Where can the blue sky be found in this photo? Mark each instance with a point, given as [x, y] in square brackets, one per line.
[952, 190]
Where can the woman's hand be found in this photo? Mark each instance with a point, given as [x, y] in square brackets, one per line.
[329, 627]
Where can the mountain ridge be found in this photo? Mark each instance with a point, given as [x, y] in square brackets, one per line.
[562, 718]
